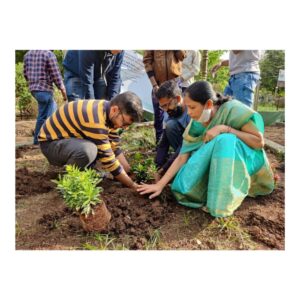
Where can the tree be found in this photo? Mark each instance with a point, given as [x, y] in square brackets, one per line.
[221, 79]
[204, 64]
[23, 95]
[270, 65]
[20, 55]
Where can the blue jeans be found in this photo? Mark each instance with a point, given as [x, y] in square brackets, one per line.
[73, 86]
[46, 107]
[75, 89]
[242, 87]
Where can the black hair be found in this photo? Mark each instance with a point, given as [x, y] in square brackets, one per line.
[130, 104]
[201, 91]
[169, 89]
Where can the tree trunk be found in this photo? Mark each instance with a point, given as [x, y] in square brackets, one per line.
[204, 64]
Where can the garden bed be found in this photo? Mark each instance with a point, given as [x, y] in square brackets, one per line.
[43, 221]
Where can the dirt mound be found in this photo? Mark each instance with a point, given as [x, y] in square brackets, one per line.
[135, 216]
[269, 232]
[263, 218]
[32, 182]
[49, 221]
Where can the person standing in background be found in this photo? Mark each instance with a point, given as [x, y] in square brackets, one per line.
[41, 70]
[244, 74]
[190, 68]
[92, 74]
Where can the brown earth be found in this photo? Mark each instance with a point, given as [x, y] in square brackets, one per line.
[43, 221]
[275, 133]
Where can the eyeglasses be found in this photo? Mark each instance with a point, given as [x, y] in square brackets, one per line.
[125, 124]
[167, 105]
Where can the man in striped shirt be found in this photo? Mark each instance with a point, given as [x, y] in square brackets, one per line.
[41, 71]
[80, 132]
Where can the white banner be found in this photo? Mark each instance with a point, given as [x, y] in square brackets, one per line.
[281, 75]
[135, 79]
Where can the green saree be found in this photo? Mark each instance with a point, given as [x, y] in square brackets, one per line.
[221, 173]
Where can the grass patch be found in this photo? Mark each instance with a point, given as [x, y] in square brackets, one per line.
[138, 138]
[104, 242]
[226, 234]
[154, 240]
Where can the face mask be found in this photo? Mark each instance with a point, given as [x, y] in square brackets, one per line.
[205, 116]
[175, 113]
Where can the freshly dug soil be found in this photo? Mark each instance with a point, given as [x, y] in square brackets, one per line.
[32, 182]
[43, 221]
[275, 133]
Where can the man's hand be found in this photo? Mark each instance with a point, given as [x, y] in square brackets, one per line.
[134, 186]
[215, 69]
[64, 94]
[155, 88]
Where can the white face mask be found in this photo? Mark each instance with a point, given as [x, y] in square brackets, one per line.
[205, 116]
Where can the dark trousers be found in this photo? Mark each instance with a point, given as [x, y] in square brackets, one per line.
[72, 151]
[158, 117]
[172, 136]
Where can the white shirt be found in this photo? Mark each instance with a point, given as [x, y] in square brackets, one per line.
[190, 67]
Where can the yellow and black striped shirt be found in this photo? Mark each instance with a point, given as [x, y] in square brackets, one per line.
[86, 119]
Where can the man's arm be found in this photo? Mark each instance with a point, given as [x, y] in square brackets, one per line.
[148, 61]
[162, 150]
[180, 54]
[56, 75]
[25, 69]
[215, 68]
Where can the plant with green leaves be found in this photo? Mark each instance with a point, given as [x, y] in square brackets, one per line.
[143, 170]
[23, 95]
[79, 189]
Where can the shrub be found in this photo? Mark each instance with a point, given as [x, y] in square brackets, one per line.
[23, 95]
[79, 189]
[143, 170]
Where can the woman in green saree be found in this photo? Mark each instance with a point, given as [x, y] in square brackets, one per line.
[222, 158]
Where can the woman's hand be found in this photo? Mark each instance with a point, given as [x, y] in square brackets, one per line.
[213, 132]
[155, 189]
[134, 186]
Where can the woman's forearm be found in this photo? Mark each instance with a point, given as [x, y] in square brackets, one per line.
[254, 141]
[174, 168]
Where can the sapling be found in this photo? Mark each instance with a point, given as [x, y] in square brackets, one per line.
[144, 170]
[79, 189]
